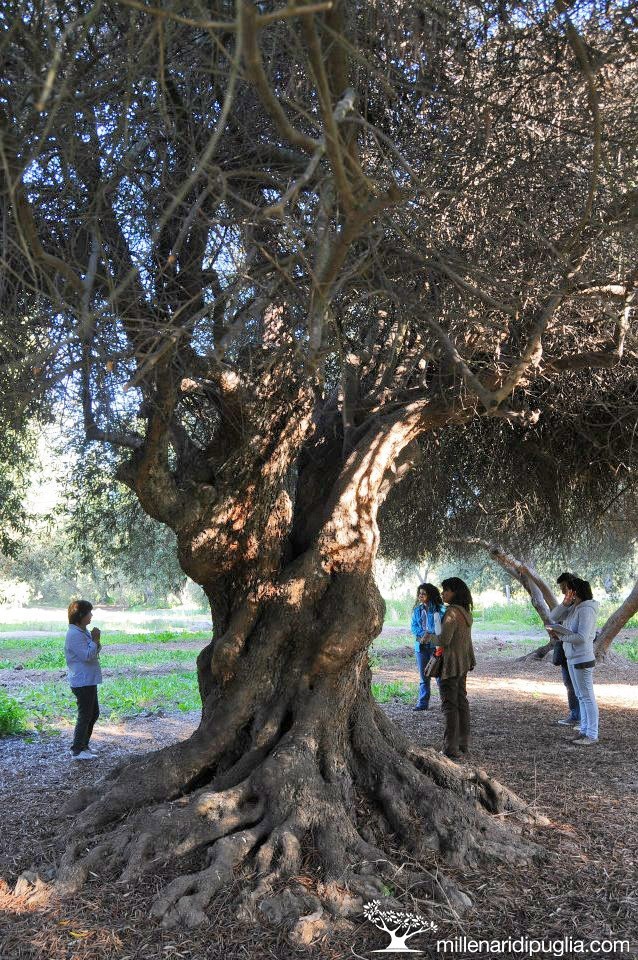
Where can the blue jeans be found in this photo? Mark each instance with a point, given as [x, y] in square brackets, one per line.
[422, 657]
[583, 681]
[572, 699]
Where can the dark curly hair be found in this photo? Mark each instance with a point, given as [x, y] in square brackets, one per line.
[431, 592]
[461, 591]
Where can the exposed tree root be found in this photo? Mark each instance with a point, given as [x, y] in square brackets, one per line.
[295, 771]
[357, 801]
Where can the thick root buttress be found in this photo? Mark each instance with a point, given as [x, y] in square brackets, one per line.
[358, 805]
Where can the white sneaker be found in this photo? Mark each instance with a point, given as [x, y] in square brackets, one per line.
[585, 741]
[84, 755]
[91, 750]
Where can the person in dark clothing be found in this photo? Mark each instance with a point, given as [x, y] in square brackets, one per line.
[82, 652]
[455, 643]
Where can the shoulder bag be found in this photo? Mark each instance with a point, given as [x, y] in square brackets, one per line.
[434, 666]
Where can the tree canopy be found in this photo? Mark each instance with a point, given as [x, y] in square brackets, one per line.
[285, 199]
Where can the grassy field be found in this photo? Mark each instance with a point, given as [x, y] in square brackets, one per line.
[37, 702]
[514, 615]
[41, 706]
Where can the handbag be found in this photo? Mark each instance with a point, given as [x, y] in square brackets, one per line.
[558, 655]
[433, 667]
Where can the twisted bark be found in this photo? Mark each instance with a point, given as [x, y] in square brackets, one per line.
[293, 759]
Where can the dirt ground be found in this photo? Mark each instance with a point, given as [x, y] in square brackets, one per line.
[584, 886]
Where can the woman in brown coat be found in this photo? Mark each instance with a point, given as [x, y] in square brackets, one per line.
[458, 658]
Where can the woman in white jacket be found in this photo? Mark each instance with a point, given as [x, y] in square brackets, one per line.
[578, 643]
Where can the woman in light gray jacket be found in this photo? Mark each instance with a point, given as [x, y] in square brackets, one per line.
[82, 652]
[579, 631]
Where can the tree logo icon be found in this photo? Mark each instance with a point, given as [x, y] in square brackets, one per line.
[398, 924]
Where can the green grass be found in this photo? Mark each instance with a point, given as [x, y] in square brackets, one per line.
[55, 661]
[126, 622]
[13, 718]
[519, 614]
[29, 625]
[395, 690]
[628, 649]
[391, 643]
[399, 613]
[507, 615]
[56, 643]
[167, 628]
[42, 705]
[46, 703]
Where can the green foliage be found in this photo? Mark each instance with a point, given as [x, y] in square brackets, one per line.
[55, 661]
[395, 690]
[562, 489]
[120, 697]
[112, 536]
[112, 637]
[374, 661]
[17, 455]
[97, 542]
[12, 716]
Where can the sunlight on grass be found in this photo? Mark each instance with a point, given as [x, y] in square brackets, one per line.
[13, 717]
[42, 705]
[55, 661]
[395, 690]
[43, 644]
[46, 703]
[54, 619]
[517, 614]
[629, 649]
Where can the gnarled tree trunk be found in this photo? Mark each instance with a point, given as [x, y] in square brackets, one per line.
[292, 756]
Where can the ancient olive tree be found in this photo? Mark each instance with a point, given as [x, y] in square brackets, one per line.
[263, 251]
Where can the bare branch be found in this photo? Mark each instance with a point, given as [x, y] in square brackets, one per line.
[615, 622]
[248, 18]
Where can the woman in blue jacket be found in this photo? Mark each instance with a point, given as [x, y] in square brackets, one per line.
[82, 653]
[428, 610]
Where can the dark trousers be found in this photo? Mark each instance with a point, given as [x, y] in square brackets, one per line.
[572, 699]
[456, 711]
[88, 712]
